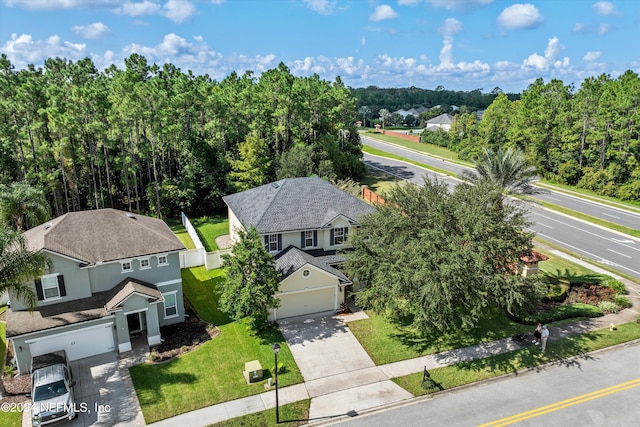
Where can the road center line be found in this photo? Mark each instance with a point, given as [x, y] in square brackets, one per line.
[563, 404]
[619, 253]
[612, 216]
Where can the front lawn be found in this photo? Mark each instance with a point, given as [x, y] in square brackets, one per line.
[501, 364]
[291, 415]
[212, 373]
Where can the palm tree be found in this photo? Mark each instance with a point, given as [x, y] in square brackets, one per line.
[364, 110]
[23, 206]
[18, 265]
[384, 115]
[503, 168]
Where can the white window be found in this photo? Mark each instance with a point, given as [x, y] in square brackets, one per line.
[272, 245]
[170, 305]
[308, 239]
[50, 289]
[162, 260]
[339, 236]
[126, 266]
[144, 264]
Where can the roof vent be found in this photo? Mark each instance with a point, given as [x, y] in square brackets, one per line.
[48, 226]
[275, 185]
[130, 215]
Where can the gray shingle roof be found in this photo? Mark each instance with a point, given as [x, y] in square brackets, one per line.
[103, 235]
[292, 259]
[294, 204]
[442, 119]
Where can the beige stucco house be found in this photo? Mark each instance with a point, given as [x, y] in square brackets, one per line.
[305, 223]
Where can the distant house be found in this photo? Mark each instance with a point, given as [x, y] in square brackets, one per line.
[114, 275]
[304, 224]
[415, 112]
[443, 121]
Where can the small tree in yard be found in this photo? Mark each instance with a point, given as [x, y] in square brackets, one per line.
[252, 280]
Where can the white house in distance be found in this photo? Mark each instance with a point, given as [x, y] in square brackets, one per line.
[443, 121]
[304, 223]
[113, 275]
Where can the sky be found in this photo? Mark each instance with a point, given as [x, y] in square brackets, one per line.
[456, 44]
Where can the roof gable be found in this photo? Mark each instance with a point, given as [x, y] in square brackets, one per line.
[103, 235]
[293, 259]
[128, 288]
[294, 204]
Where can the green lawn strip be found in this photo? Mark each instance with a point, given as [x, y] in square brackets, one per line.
[10, 419]
[210, 227]
[590, 195]
[181, 233]
[3, 309]
[477, 370]
[291, 415]
[382, 153]
[3, 340]
[379, 181]
[386, 342]
[212, 373]
[588, 218]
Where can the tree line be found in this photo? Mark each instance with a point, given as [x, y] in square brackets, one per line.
[159, 140]
[587, 137]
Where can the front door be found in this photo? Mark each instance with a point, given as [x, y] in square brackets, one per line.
[134, 322]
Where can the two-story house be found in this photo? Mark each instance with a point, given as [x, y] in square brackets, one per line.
[113, 275]
[304, 223]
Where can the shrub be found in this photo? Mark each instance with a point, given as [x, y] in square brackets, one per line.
[608, 307]
[614, 284]
[591, 294]
[153, 356]
[622, 301]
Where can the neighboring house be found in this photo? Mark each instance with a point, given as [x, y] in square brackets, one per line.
[443, 121]
[304, 223]
[114, 275]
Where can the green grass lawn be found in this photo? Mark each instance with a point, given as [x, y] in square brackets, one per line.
[3, 339]
[181, 233]
[210, 227]
[501, 364]
[7, 419]
[291, 415]
[434, 150]
[212, 373]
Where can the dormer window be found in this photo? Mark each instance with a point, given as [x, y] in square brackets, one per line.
[126, 266]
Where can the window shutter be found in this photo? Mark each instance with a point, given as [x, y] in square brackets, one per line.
[346, 234]
[279, 242]
[315, 237]
[266, 242]
[331, 238]
[61, 288]
[39, 290]
[302, 239]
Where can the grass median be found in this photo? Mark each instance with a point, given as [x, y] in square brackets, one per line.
[291, 415]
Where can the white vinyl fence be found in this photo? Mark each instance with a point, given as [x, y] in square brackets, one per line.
[199, 256]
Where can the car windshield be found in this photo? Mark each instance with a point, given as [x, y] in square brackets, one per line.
[49, 391]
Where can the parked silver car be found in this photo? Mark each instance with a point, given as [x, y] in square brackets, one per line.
[52, 389]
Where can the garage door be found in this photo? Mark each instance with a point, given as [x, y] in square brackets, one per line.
[78, 344]
[312, 301]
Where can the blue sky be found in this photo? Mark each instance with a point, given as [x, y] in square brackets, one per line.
[459, 44]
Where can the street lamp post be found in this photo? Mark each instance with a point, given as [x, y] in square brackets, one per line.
[276, 349]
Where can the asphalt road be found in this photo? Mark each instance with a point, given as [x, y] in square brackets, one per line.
[601, 245]
[618, 216]
[598, 389]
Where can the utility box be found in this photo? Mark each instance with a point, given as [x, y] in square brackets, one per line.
[252, 372]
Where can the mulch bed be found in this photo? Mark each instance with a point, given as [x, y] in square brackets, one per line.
[181, 338]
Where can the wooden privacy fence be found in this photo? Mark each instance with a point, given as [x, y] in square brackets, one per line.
[407, 136]
[371, 196]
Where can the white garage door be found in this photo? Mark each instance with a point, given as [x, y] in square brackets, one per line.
[78, 344]
[311, 301]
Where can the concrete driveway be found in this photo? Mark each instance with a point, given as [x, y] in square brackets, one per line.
[339, 375]
[104, 394]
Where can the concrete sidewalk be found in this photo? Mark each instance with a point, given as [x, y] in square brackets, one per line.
[369, 387]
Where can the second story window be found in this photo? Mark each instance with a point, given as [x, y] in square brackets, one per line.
[50, 287]
[339, 235]
[144, 264]
[273, 242]
[162, 260]
[126, 266]
[309, 239]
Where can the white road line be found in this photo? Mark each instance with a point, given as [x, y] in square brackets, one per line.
[545, 225]
[619, 253]
[612, 216]
[553, 198]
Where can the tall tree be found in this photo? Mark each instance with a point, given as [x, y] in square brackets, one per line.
[251, 282]
[439, 259]
[23, 206]
[364, 110]
[384, 115]
[18, 265]
[252, 167]
[504, 168]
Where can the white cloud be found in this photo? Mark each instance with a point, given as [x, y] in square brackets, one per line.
[549, 60]
[591, 56]
[59, 4]
[604, 8]
[323, 7]
[578, 27]
[450, 27]
[363, 41]
[198, 38]
[22, 50]
[408, 2]
[383, 12]
[603, 29]
[459, 4]
[95, 30]
[147, 7]
[179, 10]
[520, 16]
